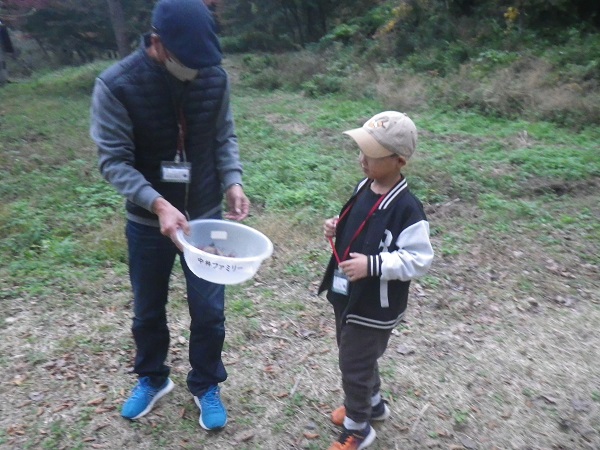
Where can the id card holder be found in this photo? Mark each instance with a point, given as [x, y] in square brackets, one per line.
[175, 172]
[340, 284]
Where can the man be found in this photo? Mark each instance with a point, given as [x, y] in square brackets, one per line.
[162, 122]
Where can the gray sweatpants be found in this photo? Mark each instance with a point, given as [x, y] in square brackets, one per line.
[359, 349]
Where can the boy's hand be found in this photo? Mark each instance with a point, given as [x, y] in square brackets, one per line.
[329, 227]
[355, 267]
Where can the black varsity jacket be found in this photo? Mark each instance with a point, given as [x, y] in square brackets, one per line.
[398, 249]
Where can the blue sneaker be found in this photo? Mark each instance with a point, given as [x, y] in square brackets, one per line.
[212, 411]
[143, 397]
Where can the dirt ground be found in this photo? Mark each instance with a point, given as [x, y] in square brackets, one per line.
[499, 350]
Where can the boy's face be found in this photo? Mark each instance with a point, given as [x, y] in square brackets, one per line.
[381, 168]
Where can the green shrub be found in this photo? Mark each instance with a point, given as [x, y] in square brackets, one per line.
[256, 41]
[322, 85]
[70, 81]
[256, 62]
[342, 33]
[268, 79]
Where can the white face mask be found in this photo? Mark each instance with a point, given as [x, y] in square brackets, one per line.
[179, 71]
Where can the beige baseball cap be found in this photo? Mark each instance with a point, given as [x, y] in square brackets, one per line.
[386, 134]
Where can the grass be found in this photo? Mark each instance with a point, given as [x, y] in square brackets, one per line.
[483, 180]
[309, 170]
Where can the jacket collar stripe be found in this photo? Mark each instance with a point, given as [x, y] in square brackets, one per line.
[390, 196]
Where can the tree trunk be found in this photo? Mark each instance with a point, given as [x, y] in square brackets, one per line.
[117, 19]
[3, 71]
[5, 46]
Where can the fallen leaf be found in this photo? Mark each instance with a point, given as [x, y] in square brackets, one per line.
[244, 436]
[36, 396]
[466, 441]
[19, 379]
[581, 405]
[306, 333]
[15, 430]
[548, 399]
[309, 435]
[104, 409]
[62, 407]
[404, 350]
[492, 424]
[442, 433]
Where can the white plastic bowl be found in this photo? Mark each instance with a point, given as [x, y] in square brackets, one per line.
[247, 249]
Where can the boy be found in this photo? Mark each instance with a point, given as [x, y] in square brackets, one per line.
[382, 242]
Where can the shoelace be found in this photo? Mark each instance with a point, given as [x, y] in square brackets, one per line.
[211, 399]
[144, 390]
[348, 435]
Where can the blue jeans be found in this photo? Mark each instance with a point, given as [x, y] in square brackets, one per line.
[151, 259]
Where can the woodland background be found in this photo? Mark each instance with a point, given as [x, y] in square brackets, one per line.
[499, 348]
[532, 58]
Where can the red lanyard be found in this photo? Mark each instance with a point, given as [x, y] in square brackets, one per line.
[358, 231]
[181, 125]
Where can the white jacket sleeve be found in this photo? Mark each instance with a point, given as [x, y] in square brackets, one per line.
[413, 257]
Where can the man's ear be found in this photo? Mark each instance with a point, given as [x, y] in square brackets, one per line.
[157, 49]
[154, 39]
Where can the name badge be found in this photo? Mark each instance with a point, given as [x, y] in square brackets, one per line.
[341, 284]
[172, 172]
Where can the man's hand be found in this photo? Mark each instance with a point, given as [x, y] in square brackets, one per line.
[170, 219]
[355, 267]
[238, 204]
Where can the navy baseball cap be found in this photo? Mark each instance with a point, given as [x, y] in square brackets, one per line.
[187, 30]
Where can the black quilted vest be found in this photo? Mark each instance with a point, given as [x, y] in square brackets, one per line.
[153, 100]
